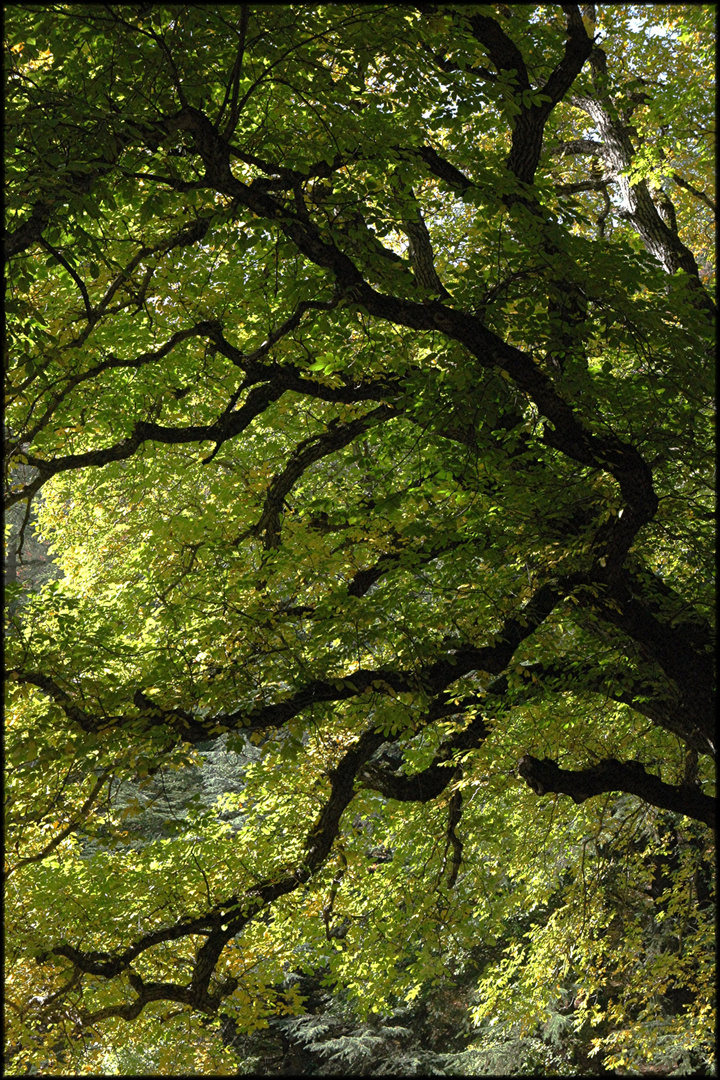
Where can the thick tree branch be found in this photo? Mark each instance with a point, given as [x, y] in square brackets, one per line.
[231, 423]
[639, 209]
[29, 232]
[292, 377]
[453, 840]
[545, 776]
[559, 426]
[431, 678]
[421, 253]
[570, 434]
[442, 168]
[582, 185]
[431, 781]
[527, 135]
[229, 918]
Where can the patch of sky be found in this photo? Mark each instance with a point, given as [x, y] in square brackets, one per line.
[636, 25]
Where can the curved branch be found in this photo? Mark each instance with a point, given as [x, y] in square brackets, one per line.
[681, 652]
[50, 687]
[363, 579]
[306, 454]
[579, 677]
[544, 775]
[73, 274]
[292, 377]
[225, 920]
[147, 431]
[432, 678]
[247, 363]
[432, 780]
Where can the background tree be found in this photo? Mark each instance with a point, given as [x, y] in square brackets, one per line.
[368, 390]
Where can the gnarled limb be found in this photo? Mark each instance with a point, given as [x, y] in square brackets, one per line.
[530, 123]
[432, 678]
[545, 776]
[227, 919]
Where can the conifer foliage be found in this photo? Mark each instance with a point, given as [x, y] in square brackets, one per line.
[360, 383]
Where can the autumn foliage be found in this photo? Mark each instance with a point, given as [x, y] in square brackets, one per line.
[360, 388]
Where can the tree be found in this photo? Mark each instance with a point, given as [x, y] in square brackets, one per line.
[362, 357]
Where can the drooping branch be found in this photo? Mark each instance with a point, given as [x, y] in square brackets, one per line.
[147, 431]
[73, 274]
[431, 678]
[545, 776]
[569, 433]
[580, 676]
[286, 177]
[540, 677]
[696, 192]
[231, 422]
[84, 720]
[363, 579]
[572, 425]
[30, 231]
[250, 363]
[82, 815]
[227, 919]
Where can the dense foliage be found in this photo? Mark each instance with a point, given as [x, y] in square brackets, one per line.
[360, 380]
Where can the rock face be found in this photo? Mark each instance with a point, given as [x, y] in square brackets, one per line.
[26, 561]
[26, 558]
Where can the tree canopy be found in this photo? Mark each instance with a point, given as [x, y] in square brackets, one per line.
[360, 380]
